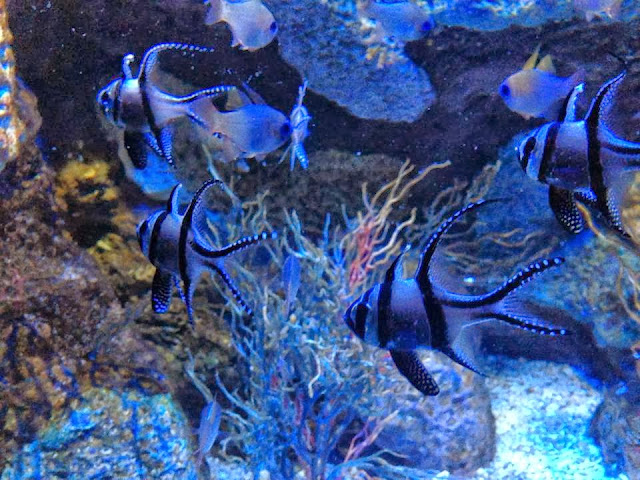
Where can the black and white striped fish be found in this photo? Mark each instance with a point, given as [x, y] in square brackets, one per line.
[582, 160]
[179, 250]
[145, 112]
[402, 315]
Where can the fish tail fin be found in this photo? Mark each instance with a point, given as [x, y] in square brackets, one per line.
[215, 13]
[525, 316]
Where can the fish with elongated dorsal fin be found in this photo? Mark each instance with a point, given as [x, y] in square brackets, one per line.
[179, 250]
[403, 315]
[582, 160]
[536, 90]
[299, 119]
[145, 112]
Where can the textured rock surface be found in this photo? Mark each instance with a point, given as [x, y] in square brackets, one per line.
[110, 435]
[453, 431]
[616, 428]
[328, 51]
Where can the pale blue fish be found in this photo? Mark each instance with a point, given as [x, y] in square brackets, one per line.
[536, 91]
[208, 430]
[399, 20]
[251, 23]
[291, 280]
[249, 127]
[299, 118]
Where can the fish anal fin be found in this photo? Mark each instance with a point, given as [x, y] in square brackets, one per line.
[612, 213]
[409, 365]
[532, 60]
[462, 353]
[546, 64]
[564, 207]
[161, 291]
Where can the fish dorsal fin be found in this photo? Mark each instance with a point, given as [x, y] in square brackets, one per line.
[395, 270]
[422, 273]
[546, 64]
[253, 95]
[151, 56]
[173, 203]
[568, 109]
[603, 102]
[530, 64]
[195, 214]
[237, 99]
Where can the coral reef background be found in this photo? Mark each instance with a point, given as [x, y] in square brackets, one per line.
[92, 383]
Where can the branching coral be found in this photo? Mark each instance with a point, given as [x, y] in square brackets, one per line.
[310, 404]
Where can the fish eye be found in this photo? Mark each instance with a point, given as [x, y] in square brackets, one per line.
[285, 130]
[426, 26]
[505, 91]
[273, 28]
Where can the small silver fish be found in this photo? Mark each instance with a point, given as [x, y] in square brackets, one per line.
[402, 315]
[594, 8]
[398, 20]
[251, 23]
[582, 160]
[251, 128]
[300, 119]
[536, 91]
[145, 112]
[178, 249]
[291, 279]
[208, 429]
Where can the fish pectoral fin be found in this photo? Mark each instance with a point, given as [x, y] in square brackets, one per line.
[409, 365]
[546, 65]
[161, 291]
[134, 143]
[564, 207]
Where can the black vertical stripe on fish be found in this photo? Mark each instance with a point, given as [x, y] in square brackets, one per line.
[594, 162]
[565, 105]
[117, 101]
[549, 150]
[361, 320]
[185, 227]
[384, 314]
[155, 234]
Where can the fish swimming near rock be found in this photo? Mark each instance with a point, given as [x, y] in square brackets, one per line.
[251, 23]
[249, 128]
[403, 315]
[177, 246]
[399, 20]
[594, 8]
[299, 119]
[536, 90]
[145, 112]
[582, 160]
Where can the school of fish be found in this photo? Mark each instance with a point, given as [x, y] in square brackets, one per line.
[580, 160]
